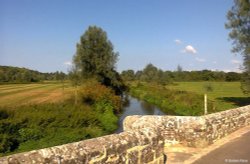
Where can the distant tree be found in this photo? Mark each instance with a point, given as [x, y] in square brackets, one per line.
[138, 75]
[2, 76]
[207, 75]
[149, 73]
[239, 24]
[162, 77]
[128, 75]
[233, 76]
[179, 68]
[95, 58]
[179, 73]
[219, 75]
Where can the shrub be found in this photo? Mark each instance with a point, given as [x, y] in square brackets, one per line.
[92, 93]
[8, 143]
[3, 114]
[34, 133]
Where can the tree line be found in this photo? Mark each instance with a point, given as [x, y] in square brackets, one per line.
[153, 74]
[10, 74]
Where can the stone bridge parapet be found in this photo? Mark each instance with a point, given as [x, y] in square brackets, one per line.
[142, 141]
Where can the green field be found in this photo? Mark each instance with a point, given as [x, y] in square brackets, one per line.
[226, 95]
[39, 115]
[187, 98]
[24, 94]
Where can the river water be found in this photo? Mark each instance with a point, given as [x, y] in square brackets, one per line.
[137, 107]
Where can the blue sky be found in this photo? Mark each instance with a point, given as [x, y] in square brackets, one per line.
[42, 34]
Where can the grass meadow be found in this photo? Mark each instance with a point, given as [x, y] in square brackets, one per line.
[187, 98]
[225, 95]
[12, 95]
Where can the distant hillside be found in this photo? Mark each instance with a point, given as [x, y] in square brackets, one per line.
[9, 74]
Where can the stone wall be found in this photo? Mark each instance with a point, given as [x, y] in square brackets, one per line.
[142, 141]
[140, 146]
[193, 131]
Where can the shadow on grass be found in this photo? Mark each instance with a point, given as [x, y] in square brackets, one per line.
[239, 101]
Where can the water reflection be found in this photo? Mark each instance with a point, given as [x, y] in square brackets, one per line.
[147, 108]
[133, 106]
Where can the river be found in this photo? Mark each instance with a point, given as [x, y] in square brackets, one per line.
[137, 107]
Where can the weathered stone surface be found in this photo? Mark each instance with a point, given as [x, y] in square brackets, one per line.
[193, 131]
[142, 141]
[125, 147]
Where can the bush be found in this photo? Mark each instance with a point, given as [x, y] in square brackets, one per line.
[34, 133]
[92, 92]
[104, 102]
[8, 143]
[3, 114]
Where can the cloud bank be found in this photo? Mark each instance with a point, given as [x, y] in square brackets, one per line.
[189, 49]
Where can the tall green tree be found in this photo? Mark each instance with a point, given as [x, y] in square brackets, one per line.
[149, 73]
[239, 24]
[95, 58]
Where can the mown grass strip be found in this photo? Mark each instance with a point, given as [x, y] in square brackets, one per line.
[39, 96]
[10, 86]
[5, 90]
[24, 97]
[2, 94]
[54, 96]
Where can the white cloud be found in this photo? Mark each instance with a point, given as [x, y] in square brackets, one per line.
[68, 63]
[200, 59]
[189, 49]
[214, 62]
[177, 41]
[234, 61]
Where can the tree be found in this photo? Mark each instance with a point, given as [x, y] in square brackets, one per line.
[179, 68]
[233, 76]
[149, 73]
[239, 24]
[128, 75]
[95, 58]
[179, 73]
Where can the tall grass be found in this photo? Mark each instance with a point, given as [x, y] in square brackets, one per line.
[172, 102]
[38, 126]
